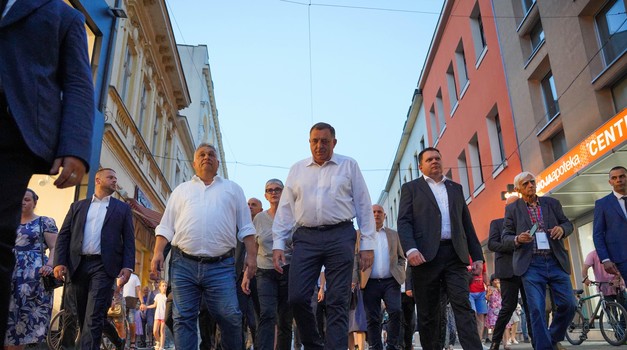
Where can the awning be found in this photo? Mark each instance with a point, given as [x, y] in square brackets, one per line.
[580, 177]
[149, 217]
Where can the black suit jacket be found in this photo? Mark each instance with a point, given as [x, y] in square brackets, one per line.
[117, 240]
[503, 250]
[517, 220]
[420, 221]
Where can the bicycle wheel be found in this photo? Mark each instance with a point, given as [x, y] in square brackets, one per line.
[575, 333]
[61, 323]
[613, 323]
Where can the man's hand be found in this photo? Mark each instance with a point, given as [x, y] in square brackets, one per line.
[409, 293]
[72, 173]
[124, 276]
[245, 283]
[415, 258]
[156, 266]
[320, 294]
[524, 238]
[278, 258]
[610, 268]
[366, 258]
[556, 232]
[60, 271]
[250, 266]
[477, 268]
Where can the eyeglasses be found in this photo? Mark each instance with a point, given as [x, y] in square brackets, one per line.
[274, 190]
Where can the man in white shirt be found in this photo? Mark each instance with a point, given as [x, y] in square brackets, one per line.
[203, 219]
[132, 293]
[322, 195]
[382, 282]
[95, 245]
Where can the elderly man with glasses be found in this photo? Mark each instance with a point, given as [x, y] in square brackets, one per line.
[538, 227]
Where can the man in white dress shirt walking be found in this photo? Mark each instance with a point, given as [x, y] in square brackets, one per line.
[322, 195]
[203, 219]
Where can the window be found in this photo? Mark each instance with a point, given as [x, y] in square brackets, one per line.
[127, 74]
[495, 135]
[405, 179]
[475, 162]
[460, 62]
[416, 161]
[619, 93]
[558, 143]
[143, 105]
[478, 35]
[155, 133]
[536, 36]
[463, 174]
[452, 88]
[434, 124]
[550, 96]
[422, 146]
[411, 173]
[612, 26]
[527, 5]
[439, 106]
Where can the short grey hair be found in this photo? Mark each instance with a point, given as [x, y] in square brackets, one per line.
[204, 144]
[275, 181]
[518, 180]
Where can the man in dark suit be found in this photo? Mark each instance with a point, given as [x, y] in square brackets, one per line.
[610, 220]
[438, 236]
[382, 282]
[510, 283]
[537, 226]
[46, 110]
[95, 245]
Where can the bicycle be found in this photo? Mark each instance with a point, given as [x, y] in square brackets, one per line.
[611, 319]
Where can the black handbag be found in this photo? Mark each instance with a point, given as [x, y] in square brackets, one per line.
[50, 282]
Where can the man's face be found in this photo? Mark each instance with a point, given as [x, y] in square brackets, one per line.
[321, 143]
[618, 180]
[206, 161]
[431, 164]
[255, 207]
[527, 187]
[146, 290]
[107, 181]
[379, 215]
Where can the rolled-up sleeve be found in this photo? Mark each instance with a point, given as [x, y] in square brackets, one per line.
[244, 221]
[363, 209]
[166, 226]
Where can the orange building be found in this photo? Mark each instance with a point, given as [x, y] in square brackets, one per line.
[467, 109]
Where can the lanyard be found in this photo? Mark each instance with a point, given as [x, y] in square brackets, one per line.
[536, 218]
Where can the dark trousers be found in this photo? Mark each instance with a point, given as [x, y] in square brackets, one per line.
[446, 268]
[208, 328]
[509, 295]
[249, 306]
[408, 322]
[274, 310]
[320, 310]
[335, 249]
[92, 289]
[389, 291]
[18, 164]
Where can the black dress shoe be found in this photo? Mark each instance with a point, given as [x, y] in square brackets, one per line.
[495, 346]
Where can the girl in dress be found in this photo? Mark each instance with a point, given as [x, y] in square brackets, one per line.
[494, 303]
[158, 329]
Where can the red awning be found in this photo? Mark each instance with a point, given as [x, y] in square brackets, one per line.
[149, 217]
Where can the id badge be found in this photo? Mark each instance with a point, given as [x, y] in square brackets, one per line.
[542, 240]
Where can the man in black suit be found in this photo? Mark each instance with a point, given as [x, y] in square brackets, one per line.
[510, 283]
[438, 236]
[537, 227]
[95, 245]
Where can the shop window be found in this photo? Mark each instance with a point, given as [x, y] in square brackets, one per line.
[475, 162]
[549, 93]
[478, 34]
[462, 69]
[452, 87]
[536, 37]
[619, 94]
[462, 166]
[558, 144]
[495, 134]
[612, 28]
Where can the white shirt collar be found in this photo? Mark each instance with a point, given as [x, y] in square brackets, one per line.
[106, 199]
[332, 160]
[428, 179]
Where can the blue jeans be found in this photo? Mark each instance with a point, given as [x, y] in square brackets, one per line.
[215, 282]
[545, 270]
[274, 310]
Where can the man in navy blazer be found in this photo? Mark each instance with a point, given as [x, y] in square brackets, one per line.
[610, 224]
[537, 228]
[95, 245]
[46, 109]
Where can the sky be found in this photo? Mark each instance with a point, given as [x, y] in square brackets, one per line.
[280, 66]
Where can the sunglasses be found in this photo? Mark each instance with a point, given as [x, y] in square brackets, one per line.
[274, 190]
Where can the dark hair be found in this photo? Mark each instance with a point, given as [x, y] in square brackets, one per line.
[428, 149]
[618, 167]
[35, 196]
[322, 126]
[492, 278]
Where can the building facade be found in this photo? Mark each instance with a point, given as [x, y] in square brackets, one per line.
[565, 64]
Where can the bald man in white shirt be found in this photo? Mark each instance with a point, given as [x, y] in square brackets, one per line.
[203, 219]
[322, 195]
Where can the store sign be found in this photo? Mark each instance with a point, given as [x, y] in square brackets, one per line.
[593, 147]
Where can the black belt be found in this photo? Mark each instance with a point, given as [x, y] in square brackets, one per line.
[329, 227]
[206, 259]
[543, 252]
[91, 256]
[446, 242]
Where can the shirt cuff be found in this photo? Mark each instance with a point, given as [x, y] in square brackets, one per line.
[410, 251]
[606, 260]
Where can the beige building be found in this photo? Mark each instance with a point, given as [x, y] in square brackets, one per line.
[565, 64]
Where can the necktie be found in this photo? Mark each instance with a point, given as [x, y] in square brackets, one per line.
[624, 198]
